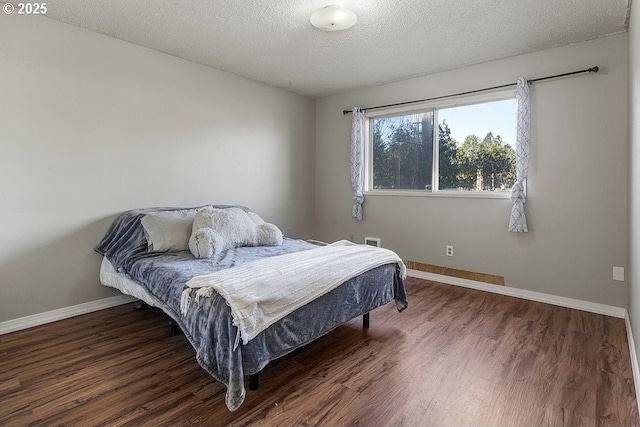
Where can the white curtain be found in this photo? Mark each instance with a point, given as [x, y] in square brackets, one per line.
[357, 162]
[518, 221]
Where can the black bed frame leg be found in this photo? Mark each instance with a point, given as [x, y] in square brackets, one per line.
[253, 381]
[140, 305]
[174, 329]
[365, 321]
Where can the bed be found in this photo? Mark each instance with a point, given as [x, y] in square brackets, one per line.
[160, 279]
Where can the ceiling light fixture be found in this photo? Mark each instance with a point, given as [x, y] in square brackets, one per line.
[333, 18]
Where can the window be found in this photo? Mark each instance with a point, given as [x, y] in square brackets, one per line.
[473, 153]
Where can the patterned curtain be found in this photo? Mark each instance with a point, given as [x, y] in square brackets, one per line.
[357, 162]
[518, 221]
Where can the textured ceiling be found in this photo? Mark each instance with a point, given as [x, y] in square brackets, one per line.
[273, 42]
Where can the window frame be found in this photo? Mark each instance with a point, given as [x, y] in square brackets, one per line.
[431, 106]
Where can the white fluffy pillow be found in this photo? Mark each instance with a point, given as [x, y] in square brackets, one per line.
[168, 230]
[217, 230]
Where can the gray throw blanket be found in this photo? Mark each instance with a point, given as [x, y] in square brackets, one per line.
[210, 328]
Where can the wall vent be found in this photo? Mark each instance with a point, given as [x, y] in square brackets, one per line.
[372, 241]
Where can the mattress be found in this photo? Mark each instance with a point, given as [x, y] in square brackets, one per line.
[111, 278]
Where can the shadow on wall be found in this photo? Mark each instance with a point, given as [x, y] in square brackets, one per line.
[57, 274]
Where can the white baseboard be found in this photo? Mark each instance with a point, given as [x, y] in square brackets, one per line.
[634, 359]
[62, 313]
[76, 310]
[592, 307]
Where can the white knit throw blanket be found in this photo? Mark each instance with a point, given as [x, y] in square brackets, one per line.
[264, 291]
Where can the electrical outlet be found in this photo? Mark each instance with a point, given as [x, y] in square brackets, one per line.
[449, 250]
[618, 274]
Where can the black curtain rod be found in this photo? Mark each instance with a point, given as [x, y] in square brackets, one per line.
[586, 70]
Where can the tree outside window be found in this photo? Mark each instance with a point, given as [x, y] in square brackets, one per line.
[403, 153]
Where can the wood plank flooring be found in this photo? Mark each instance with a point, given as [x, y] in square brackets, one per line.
[455, 357]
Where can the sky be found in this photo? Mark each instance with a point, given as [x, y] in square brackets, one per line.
[498, 117]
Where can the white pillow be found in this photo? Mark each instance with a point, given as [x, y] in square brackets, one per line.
[168, 230]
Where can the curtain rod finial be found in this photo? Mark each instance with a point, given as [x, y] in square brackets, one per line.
[594, 69]
[345, 112]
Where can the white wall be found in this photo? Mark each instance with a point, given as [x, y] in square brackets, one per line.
[577, 191]
[91, 126]
[634, 180]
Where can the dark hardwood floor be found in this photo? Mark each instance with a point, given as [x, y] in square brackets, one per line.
[455, 357]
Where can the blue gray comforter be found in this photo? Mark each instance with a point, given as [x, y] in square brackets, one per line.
[210, 329]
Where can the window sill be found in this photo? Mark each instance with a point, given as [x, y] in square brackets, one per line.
[451, 194]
